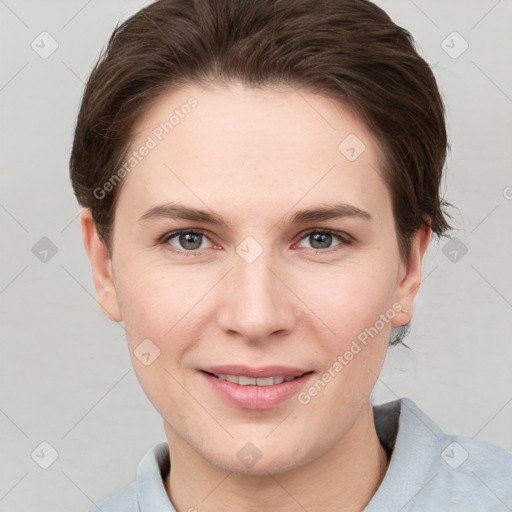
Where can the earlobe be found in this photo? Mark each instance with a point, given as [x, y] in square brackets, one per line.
[101, 265]
[409, 284]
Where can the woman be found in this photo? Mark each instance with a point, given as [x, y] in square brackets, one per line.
[260, 183]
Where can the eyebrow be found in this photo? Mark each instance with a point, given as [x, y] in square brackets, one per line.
[311, 214]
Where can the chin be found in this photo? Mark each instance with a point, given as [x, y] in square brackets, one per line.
[249, 460]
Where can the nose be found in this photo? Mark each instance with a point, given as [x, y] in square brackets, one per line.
[257, 302]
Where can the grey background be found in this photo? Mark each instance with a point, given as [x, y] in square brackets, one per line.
[66, 376]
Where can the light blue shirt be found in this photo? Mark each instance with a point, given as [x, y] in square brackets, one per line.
[429, 471]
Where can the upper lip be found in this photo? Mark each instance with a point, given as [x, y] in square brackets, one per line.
[250, 371]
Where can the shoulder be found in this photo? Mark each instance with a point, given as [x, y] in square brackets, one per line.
[124, 500]
[432, 470]
[457, 454]
[475, 471]
[147, 492]
[463, 472]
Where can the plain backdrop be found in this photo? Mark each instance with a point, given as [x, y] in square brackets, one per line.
[66, 376]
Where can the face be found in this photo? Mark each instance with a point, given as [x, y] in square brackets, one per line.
[290, 269]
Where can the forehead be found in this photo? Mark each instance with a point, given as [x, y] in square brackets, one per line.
[252, 147]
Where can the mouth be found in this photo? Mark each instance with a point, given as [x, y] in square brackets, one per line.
[256, 388]
[244, 380]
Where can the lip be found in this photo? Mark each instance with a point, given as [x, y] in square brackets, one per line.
[256, 397]
[250, 371]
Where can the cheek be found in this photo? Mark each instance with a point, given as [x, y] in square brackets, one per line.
[156, 311]
[349, 298]
[152, 299]
[163, 305]
[355, 303]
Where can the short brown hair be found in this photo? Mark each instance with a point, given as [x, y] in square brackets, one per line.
[349, 50]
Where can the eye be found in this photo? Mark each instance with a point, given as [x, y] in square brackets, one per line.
[320, 239]
[191, 242]
[186, 240]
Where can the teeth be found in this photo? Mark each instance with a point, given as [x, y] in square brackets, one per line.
[246, 381]
[265, 381]
[242, 380]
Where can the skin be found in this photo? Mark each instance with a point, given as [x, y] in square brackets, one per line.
[255, 157]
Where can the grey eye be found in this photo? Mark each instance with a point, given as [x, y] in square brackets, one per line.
[321, 239]
[187, 240]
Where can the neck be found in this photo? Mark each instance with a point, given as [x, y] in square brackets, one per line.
[344, 478]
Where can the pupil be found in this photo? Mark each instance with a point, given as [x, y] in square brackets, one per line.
[187, 240]
[320, 240]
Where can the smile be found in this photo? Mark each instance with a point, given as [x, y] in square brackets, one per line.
[243, 380]
[255, 388]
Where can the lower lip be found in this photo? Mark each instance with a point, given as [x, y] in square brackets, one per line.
[256, 397]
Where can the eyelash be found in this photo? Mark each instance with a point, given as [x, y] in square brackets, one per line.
[344, 238]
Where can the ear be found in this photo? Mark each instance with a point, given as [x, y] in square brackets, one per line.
[101, 265]
[410, 276]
